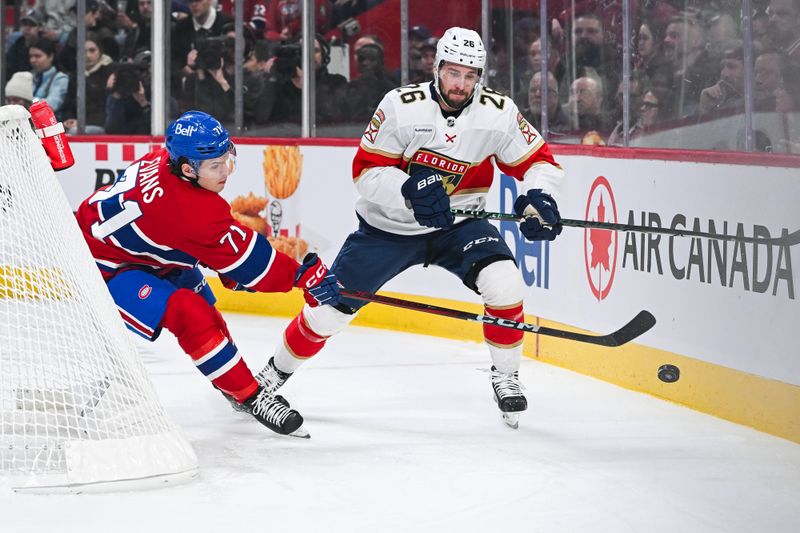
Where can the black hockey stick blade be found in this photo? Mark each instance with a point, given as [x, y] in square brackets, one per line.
[637, 326]
[786, 239]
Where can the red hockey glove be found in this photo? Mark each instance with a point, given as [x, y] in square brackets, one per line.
[319, 285]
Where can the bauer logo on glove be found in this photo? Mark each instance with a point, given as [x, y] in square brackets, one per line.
[425, 195]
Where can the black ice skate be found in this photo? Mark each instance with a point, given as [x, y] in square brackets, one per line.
[272, 412]
[240, 408]
[271, 378]
[508, 396]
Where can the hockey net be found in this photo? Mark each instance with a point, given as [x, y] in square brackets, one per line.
[77, 409]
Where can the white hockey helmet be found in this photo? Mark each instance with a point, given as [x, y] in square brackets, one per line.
[462, 47]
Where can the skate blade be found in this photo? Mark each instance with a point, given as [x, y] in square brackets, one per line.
[300, 433]
[511, 420]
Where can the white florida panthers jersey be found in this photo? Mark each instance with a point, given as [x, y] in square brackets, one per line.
[409, 131]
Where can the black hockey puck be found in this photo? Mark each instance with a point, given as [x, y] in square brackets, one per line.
[669, 373]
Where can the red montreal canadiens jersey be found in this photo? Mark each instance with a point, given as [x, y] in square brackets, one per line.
[151, 218]
[409, 131]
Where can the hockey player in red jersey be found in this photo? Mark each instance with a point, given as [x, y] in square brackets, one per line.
[429, 148]
[160, 219]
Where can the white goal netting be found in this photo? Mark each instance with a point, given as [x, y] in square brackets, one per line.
[77, 409]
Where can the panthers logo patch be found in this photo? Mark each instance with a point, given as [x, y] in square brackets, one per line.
[374, 125]
[528, 132]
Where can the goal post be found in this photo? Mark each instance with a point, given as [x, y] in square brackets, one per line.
[77, 409]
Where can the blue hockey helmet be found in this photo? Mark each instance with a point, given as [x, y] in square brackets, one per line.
[197, 136]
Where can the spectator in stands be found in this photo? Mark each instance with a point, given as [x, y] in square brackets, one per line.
[48, 83]
[127, 107]
[727, 93]
[648, 56]
[417, 35]
[554, 63]
[67, 58]
[768, 79]
[585, 108]
[331, 89]
[98, 70]
[191, 33]
[420, 62]
[557, 122]
[723, 34]
[428, 65]
[761, 37]
[593, 55]
[497, 71]
[283, 19]
[58, 18]
[17, 59]
[254, 11]
[415, 74]
[135, 22]
[784, 26]
[685, 49]
[656, 107]
[19, 89]
[526, 30]
[207, 88]
[366, 92]
[367, 39]
[637, 85]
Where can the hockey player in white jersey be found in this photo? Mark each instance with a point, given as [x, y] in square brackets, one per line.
[427, 149]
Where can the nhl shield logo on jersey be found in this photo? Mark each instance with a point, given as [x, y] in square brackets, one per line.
[451, 170]
[527, 132]
[374, 125]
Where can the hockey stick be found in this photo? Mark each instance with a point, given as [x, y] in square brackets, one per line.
[790, 239]
[641, 323]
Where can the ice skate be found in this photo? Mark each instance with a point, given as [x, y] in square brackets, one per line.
[508, 396]
[272, 412]
[270, 378]
[240, 408]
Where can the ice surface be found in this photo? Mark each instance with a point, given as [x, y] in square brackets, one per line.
[406, 438]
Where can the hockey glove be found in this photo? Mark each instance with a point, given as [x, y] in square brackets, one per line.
[542, 220]
[424, 193]
[232, 284]
[319, 285]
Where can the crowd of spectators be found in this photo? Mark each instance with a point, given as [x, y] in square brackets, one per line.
[688, 70]
[202, 62]
[688, 66]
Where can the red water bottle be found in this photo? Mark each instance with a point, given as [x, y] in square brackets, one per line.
[51, 132]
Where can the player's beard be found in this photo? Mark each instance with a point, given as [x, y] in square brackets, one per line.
[456, 105]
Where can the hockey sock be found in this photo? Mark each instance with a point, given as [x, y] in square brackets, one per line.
[197, 327]
[300, 343]
[505, 344]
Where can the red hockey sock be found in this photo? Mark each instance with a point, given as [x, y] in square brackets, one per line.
[503, 337]
[202, 334]
[301, 341]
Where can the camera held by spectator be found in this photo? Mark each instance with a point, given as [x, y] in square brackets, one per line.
[288, 58]
[127, 80]
[210, 51]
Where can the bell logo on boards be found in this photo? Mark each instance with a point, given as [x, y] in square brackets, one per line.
[600, 246]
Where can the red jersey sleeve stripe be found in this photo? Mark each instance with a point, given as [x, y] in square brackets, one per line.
[518, 168]
[366, 159]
